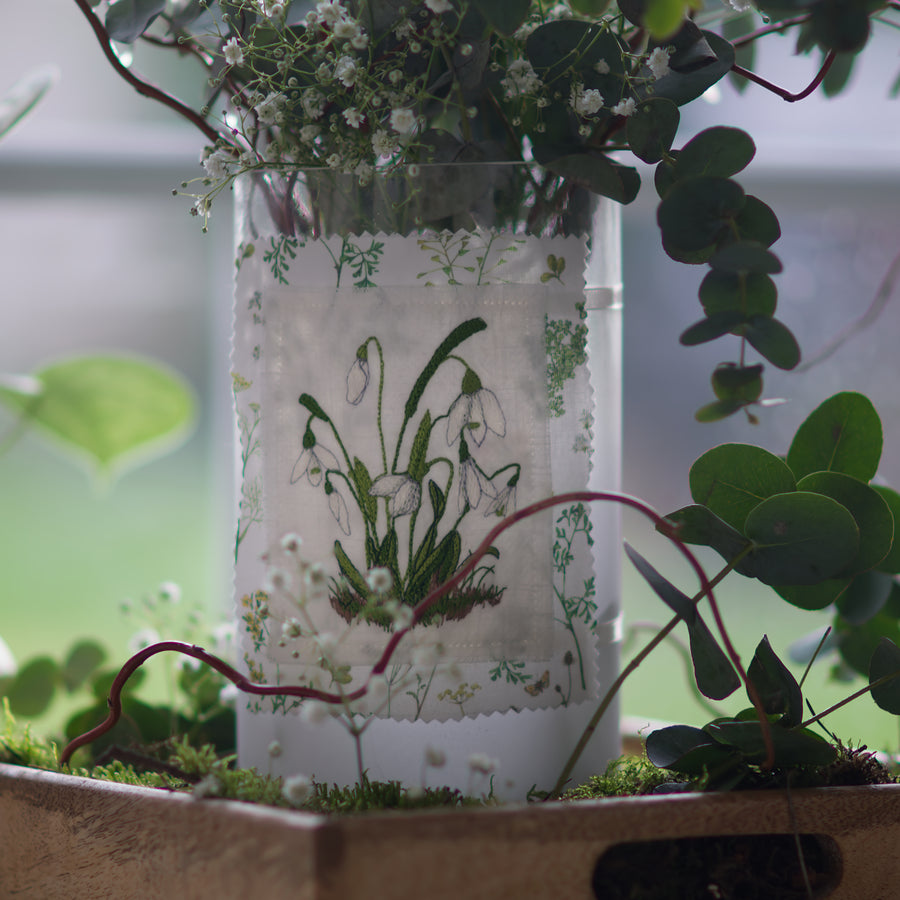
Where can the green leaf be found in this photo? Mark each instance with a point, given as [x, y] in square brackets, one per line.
[857, 643]
[127, 20]
[869, 510]
[594, 172]
[505, 15]
[843, 434]
[589, 7]
[865, 597]
[735, 27]
[33, 688]
[720, 151]
[719, 409]
[651, 130]
[363, 481]
[713, 671]
[843, 27]
[101, 683]
[685, 749]
[690, 76]
[733, 479]
[24, 95]
[438, 501]
[711, 328]
[116, 411]
[752, 294]
[566, 48]
[801, 538]
[699, 525]
[82, 661]
[741, 384]
[757, 222]
[349, 571]
[695, 214]
[839, 74]
[886, 661]
[418, 463]
[795, 747]
[773, 341]
[812, 596]
[891, 562]
[745, 258]
[662, 18]
[778, 689]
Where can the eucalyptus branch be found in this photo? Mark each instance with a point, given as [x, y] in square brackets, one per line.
[782, 92]
[142, 87]
[854, 696]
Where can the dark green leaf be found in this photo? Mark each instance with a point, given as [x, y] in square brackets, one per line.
[652, 129]
[720, 152]
[745, 258]
[127, 20]
[773, 341]
[350, 572]
[102, 682]
[885, 662]
[696, 212]
[757, 222]
[699, 525]
[843, 434]
[812, 596]
[857, 643]
[891, 563]
[801, 538]
[719, 409]
[865, 597]
[713, 672]
[563, 44]
[82, 661]
[750, 295]
[682, 85]
[34, 686]
[735, 27]
[594, 172]
[840, 26]
[839, 74]
[683, 748]
[869, 510]
[778, 689]
[438, 501]
[732, 479]
[505, 15]
[741, 384]
[418, 463]
[795, 747]
[712, 327]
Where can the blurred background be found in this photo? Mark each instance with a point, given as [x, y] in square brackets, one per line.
[97, 254]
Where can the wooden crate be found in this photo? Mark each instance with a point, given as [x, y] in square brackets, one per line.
[72, 837]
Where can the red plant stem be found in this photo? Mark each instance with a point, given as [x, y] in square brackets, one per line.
[141, 86]
[244, 684]
[769, 29]
[781, 92]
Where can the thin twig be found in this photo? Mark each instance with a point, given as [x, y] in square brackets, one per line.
[782, 92]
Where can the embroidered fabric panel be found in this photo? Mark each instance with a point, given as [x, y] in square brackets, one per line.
[395, 398]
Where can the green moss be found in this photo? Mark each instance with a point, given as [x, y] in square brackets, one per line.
[623, 777]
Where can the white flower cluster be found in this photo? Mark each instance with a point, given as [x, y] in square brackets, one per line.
[585, 101]
[520, 79]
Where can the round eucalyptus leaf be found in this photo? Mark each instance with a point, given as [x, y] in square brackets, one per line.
[746, 257]
[711, 327]
[81, 662]
[773, 341]
[740, 383]
[758, 222]
[127, 20]
[720, 151]
[865, 597]
[813, 596]
[885, 662]
[697, 212]
[843, 434]
[505, 15]
[651, 129]
[843, 27]
[718, 410]
[801, 538]
[793, 747]
[664, 175]
[869, 509]
[733, 479]
[857, 643]
[700, 525]
[32, 690]
[596, 173]
[891, 562]
[750, 294]
[668, 747]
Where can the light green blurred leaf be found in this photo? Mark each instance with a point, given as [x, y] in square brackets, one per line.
[117, 411]
[21, 98]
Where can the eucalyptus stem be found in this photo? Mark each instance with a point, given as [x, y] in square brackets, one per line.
[854, 696]
[782, 92]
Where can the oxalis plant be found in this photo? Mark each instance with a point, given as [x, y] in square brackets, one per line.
[337, 94]
[809, 524]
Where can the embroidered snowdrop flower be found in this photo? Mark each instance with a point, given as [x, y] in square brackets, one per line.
[297, 789]
[380, 580]
[346, 71]
[269, 109]
[313, 103]
[504, 502]
[482, 764]
[435, 757]
[601, 67]
[585, 101]
[353, 117]
[472, 483]
[439, 6]
[338, 507]
[313, 462]
[476, 410]
[291, 629]
[232, 51]
[625, 107]
[405, 493]
[658, 62]
[520, 79]
[403, 120]
[358, 376]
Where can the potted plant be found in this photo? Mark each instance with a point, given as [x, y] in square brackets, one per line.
[705, 219]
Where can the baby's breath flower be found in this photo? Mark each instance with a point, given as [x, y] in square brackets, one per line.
[271, 9]
[601, 67]
[277, 580]
[275, 749]
[403, 120]
[439, 6]
[142, 639]
[403, 618]
[269, 110]
[330, 12]
[482, 763]
[313, 103]
[297, 789]
[217, 163]
[625, 107]
[383, 143]
[291, 543]
[327, 644]
[658, 62]
[324, 75]
[346, 70]
[169, 592]
[291, 629]
[520, 79]
[317, 578]
[234, 55]
[333, 161]
[315, 712]
[435, 757]
[585, 101]
[395, 76]
[353, 117]
[345, 29]
[308, 133]
[380, 580]
[427, 656]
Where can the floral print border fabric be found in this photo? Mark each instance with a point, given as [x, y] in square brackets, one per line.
[395, 397]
